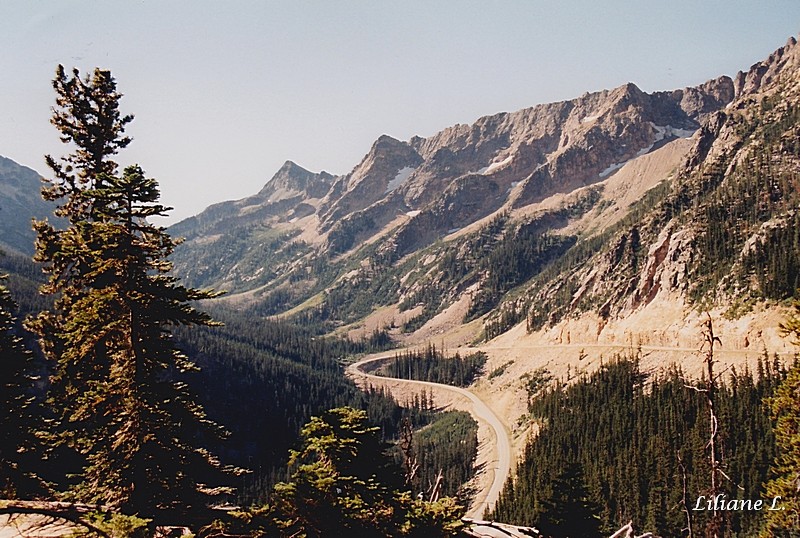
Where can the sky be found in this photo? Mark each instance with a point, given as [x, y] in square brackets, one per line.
[225, 92]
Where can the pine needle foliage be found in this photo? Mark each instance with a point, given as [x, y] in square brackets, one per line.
[118, 386]
[16, 435]
[785, 411]
[344, 485]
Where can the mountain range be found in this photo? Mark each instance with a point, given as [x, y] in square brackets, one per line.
[415, 192]
[616, 217]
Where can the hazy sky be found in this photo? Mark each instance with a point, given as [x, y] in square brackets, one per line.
[225, 92]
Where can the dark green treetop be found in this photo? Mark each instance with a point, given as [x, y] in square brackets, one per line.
[341, 486]
[87, 116]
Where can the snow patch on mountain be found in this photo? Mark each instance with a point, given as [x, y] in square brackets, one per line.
[611, 169]
[402, 175]
[666, 131]
[495, 166]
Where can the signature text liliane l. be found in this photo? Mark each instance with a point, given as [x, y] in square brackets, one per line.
[721, 502]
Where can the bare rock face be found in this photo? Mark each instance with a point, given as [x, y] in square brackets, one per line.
[721, 144]
[466, 172]
[766, 72]
[515, 159]
[292, 180]
[386, 167]
[286, 195]
[406, 195]
[780, 70]
[600, 134]
[707, 98]
[666, 268]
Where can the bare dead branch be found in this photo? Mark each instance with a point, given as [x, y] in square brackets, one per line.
[730, 479]
[684, 498]
[70, 513]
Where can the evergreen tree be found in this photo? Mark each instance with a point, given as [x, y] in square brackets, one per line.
[119, 383]
[335, 485]
[343, 485]
[87, 115]
[16, 434]
[785, 407]
[569, 510]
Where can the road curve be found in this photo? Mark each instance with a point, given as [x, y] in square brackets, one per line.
[499, 466]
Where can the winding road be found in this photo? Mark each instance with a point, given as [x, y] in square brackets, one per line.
[496, 462]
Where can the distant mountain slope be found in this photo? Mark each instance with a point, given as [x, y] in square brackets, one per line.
[20, 200]
[291, 193]
[723, 233]
[596, 204]
[428, 187]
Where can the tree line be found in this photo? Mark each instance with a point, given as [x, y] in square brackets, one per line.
[430, 364]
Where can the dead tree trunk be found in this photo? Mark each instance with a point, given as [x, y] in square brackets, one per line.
[709, 340]
[410, 462]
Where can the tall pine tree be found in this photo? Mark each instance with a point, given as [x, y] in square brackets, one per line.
[119, 383]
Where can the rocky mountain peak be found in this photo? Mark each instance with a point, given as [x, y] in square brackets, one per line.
[764, 73]
[384, 150]
[513, 159]
[700, 101]
[780, 72]
[294, 178]
[386, 143]
[292, 169]
[386, 157]
[628, 92]
[386, 167]
[604, 148]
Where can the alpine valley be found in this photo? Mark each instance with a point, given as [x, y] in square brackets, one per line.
[583, 245]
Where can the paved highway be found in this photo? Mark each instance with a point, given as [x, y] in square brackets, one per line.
[499, 459]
